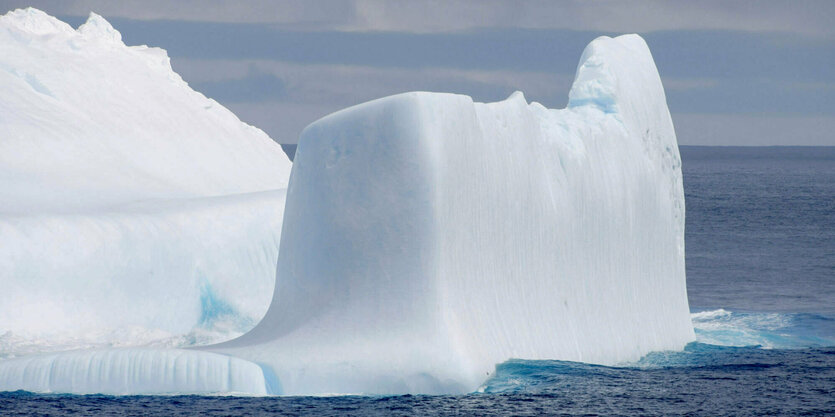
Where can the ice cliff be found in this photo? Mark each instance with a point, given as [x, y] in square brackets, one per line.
[427, 238]
[132, 208]
[133, 371]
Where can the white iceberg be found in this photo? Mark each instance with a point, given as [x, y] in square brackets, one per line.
[132, 208]
[428, 238]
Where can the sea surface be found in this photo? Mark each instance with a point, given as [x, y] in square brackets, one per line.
[760, 243]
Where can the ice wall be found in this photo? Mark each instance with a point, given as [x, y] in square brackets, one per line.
[132, 208]
[428, 238]
[133, 371]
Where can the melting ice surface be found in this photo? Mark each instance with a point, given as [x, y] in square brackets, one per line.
[426, 238]
[129, 203]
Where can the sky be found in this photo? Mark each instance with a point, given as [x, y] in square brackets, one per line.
[735, 72]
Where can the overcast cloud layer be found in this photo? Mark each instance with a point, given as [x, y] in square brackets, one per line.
[736, 73]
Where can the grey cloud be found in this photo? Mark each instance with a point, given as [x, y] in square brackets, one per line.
[284, 121]
[740, 72]
[693, 54]
[754, 96]
[808, 17]
[254, 86]
[312, 14]
[811, 17]
[723, 87]
[706, 111]
[313, 91]
[753, 130]
[348, 85]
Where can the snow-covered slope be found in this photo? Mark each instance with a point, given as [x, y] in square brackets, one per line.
[86, 120]
[428, 238]
[132, 208]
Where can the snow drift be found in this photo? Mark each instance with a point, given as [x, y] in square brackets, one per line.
[132, 208]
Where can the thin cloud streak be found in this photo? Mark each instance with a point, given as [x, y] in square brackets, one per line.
[349, 85]
[283, 121]
[680, 54]
[753, 130]
[705, 111]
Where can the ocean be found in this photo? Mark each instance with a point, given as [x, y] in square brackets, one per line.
[760, 247]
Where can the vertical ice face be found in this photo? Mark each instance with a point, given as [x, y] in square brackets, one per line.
[428, 238]
[133, 371]
[132, 208]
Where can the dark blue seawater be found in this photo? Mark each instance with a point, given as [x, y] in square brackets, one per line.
[761, 280]
[760, 230]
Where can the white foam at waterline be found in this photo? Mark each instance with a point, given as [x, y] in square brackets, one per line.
[767, 330]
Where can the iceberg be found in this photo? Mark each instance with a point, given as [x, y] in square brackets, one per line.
[427, 238]
[133, 210]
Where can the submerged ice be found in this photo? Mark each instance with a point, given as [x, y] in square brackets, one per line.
[426, 238]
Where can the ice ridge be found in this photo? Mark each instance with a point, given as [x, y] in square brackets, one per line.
[33, 21]
[99, 28]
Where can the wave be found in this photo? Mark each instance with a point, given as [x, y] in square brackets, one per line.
[767, 330]
[728, 345]
[699, 364]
